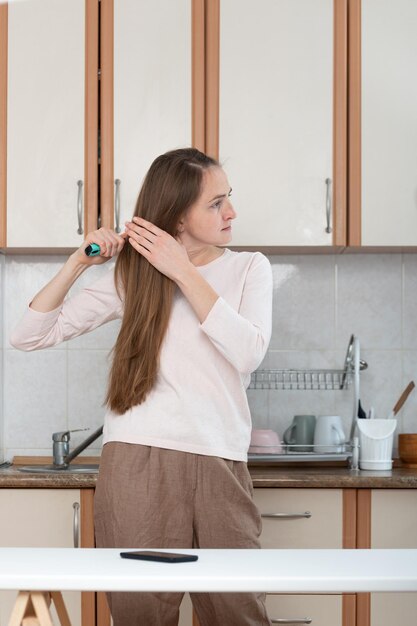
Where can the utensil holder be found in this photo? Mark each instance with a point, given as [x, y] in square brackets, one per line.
[376, 438]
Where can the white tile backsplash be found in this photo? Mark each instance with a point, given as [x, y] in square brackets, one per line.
[369, 300]
[319, 301]
[35, 397]
[24, 276]
[304, 302]
[87, 385]
[409, 411]
[410, 303]
[2, 295]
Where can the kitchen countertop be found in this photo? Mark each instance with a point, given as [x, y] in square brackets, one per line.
[333, 478]
[284, 477]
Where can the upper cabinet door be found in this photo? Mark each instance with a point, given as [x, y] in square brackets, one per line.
[282, 77]
[45, 122]
[389, 123]
[152, 89]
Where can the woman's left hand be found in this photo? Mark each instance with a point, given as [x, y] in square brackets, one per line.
[164, 252]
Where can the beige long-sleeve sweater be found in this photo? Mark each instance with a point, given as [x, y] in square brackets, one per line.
[199, 401]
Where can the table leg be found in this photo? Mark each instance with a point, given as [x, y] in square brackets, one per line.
[20, 608]
[32, 609]
[41, 602]
[61, 609]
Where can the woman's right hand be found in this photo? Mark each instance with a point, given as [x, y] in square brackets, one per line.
[110, 244]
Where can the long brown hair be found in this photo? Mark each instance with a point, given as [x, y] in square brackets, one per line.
[171, 186]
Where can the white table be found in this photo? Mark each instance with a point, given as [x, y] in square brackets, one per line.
[279, 571]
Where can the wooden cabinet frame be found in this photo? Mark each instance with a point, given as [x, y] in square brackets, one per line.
[91, 115]
[355, 160]
[106, 114]
[340, 86]
[88, 598]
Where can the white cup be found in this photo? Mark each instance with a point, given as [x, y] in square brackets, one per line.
[329, 436]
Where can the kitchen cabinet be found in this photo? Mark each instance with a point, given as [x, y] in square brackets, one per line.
[281, 125]
[175, 74]
[383, 128]
[43, 56]
[69, 165]
[45, 518]
[393, 525]
[299, 518]
[303, 518]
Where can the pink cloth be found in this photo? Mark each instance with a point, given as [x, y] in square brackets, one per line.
[199, 401]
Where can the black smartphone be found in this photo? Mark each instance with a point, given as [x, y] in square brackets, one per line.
[164, 557]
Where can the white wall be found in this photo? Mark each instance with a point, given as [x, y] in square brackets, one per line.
[318, 302]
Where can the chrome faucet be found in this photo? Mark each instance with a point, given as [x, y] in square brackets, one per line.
[62, 456]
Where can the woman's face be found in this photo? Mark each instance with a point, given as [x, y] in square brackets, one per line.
[208, 221]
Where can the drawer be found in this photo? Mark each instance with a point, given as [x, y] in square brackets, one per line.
[300, 518]
[318, 610]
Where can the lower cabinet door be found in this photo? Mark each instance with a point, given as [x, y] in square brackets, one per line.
[36, 518]
[393, 525]
[318, 610]
[388, 609]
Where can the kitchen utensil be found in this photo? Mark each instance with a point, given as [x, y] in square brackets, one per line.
[300, 435]
[350, 359]
[265, 442]
[401, 400]
[329, 435]
[407, 449]
[361, 412]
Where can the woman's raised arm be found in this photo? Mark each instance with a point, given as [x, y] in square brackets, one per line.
[52, 295]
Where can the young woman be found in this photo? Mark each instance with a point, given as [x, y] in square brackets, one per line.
[196, 321]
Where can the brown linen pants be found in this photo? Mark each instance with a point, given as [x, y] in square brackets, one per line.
[148, 497]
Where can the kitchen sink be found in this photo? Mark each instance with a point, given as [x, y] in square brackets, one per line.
[89, 468]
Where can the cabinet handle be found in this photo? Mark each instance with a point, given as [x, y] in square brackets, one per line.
[80, 207]
[76, 524]
[300, 620]
[117, 183]
[328, 204]
[306, 514]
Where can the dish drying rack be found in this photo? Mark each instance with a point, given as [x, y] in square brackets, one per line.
[314, 380]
